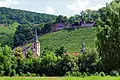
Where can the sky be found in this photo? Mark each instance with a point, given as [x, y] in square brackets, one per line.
[55, 7]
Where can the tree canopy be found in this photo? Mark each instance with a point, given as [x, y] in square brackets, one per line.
[109, 36]
[8, 16]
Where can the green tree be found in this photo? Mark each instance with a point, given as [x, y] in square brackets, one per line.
[67, 64]
[60, 51]
[46, 28]
[108, 37]
[89, 62]
[23, 33]
[18, 53]
[48, 63]
[6, 61]
[29, 54]
[61, 19]
[6, 39]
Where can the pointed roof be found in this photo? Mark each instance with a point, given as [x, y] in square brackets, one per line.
[83, 47]
[36, 36]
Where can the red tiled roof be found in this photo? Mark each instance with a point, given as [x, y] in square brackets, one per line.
[76, 54]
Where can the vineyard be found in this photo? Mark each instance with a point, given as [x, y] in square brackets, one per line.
[70, 39]
[8, 29]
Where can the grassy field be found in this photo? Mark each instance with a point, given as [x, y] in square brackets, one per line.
[70, 39]
[61, 78]
[8, 29]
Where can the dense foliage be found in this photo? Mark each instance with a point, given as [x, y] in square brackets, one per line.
[6, 39]
[13, 63]
[7, 33]
[8, 16]
[23, 34]
[109, 36]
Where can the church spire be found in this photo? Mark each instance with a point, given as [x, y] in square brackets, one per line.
[36, 36]
[83, 47]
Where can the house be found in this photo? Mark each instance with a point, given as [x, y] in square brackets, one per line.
[87, 25]
[59, 26]
[76, 54]
[83, 24]
[56, 27]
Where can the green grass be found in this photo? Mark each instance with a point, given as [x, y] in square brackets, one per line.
[70, 39]
[9, 29]
[4, 29]
[61, 78]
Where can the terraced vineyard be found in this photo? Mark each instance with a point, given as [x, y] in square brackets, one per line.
[8, 29]
[71, 39]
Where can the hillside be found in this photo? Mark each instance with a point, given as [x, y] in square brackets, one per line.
[8, 15]
[70, 39]
[6, 33]
[9, 28]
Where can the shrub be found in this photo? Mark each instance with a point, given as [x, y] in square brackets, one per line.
[2, 73]
[76, 74]
[96, 74]
[85, 74]
[89, 62]
[13, 73]
[21, 74]
[33, 75]
[102, 74]
[43, 75]
[28, 74]
[68, 73]
[114, 73]
[68, 63]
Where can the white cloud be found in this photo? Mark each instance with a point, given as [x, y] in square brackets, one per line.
[78, 5]
[50, 10]
[97, 7]
[8, 3]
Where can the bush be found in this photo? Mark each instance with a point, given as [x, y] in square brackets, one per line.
[96, 73]
[85, 74]
[2, 73]
[114, 73]
[68, 73]
[21, 74]
[28, 74]
[76, 74]
[102, 74]
[89, 62]
[13, 73]
[43, 75]
[68, 63]
[33, 75]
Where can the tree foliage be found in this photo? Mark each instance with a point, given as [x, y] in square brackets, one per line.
[108, 37]
[23, 33]
[8, 16]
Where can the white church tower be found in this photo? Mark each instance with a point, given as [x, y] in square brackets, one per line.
[36, 45]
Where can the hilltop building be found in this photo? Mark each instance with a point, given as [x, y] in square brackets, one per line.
[59, 26]
[81, 24]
